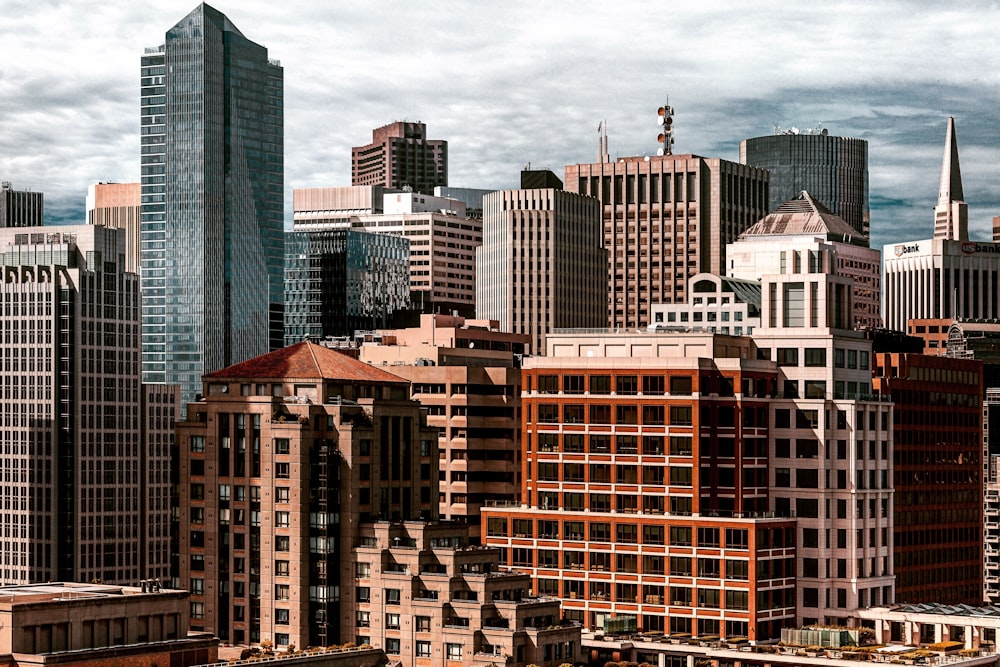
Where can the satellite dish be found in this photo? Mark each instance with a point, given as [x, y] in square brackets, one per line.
[471, 344]
[660, 120]
[661, 112]
[659, 151]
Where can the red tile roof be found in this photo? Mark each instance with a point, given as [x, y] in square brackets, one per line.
[305, 360]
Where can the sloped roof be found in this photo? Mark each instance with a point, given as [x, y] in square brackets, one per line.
[804, 215]
[306, 360]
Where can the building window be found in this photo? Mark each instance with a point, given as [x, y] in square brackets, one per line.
[392, 621]
[197, 443]
[197, 610]
[363, 619]
[281, 494]
[282, 519]
[281, 446]
[281, 639]
[392, 596]
[423, 649]
[282, 470]
[281, 568]
[281, 592]
[282, 543]
[423, 623]
[454, 651]
[197, 586]
[281, 616]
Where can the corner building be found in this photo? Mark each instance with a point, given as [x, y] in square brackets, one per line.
[666, 219]
[281, 461]
[212, 221]
[645, 489]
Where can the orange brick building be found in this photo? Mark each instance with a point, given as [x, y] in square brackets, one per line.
[645, 489]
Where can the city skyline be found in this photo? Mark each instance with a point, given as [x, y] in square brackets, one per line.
[795, 67]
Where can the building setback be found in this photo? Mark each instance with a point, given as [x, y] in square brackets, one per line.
[212, 190]
[466, 373]
[281, 460]
[341, 280]
[75, 457]
[937, 475]
[541, 266]
[665, 219]
[20, 208]
[400, 155]
[833, 169]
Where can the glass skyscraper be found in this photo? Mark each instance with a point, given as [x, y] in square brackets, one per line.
[212, 201]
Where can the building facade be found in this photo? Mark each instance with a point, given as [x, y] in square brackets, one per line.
[427, 597]
[443, 240]
[119, 206]
[645, 486]
[937, 475]
[729, 306]
[20, 208]
[467, 374]
[280, 462]
[212, 190]
[400, 155]
[541, 266]
[804, 223]
[74, 448]
[940, 279]
[833, 169]
[340, 280]
[665, 219]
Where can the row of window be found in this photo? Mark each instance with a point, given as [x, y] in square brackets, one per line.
[628, 385]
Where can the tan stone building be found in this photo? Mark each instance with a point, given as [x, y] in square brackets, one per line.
[541, 266]
[667, 218]
[467, 374]
[281, 460]
[428, 598]
[97, 624]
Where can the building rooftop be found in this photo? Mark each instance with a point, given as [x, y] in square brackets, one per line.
[66, 591]
[306, 360]
[804, 215]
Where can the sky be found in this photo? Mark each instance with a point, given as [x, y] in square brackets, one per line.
[526, 81]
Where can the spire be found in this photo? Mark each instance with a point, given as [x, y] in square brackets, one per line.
[951, 175]
[951, 215]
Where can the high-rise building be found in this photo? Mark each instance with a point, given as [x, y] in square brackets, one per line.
[75, 456]
[212, 187]
[937, 475]
[19, 208]
[541, 266]
[400, 156]
[443, 239]
[991, 505]
[467, 373]
[280, 462]
[947, 277]
[951, 214]
[833, 169]
[118, 205]
[667, 218]
[341, 280]
[804, 223]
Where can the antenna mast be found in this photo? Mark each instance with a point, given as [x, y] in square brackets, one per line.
[665, 119]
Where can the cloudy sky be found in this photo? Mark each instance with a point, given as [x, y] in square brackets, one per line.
[529, 81]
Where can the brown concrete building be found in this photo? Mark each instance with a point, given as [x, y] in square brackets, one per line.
[91, 625]
[667, 218]
[428, 598]
[400, 155]
[281, 461]
[541, 266]
[938, 475]
[117, 205]
[467, 374]
[645, 486]
[934, 333]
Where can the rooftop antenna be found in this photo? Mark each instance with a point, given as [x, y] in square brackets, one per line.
[602, 141]
[665, 119]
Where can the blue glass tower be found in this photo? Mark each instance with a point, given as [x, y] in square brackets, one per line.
[212, 153]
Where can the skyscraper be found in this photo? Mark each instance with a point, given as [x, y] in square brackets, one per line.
[951, 215]
[20, 208]
[401, 155]
[833, 169]
[75, 504]
[212, 187]
[118, 205]
[666, 218]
